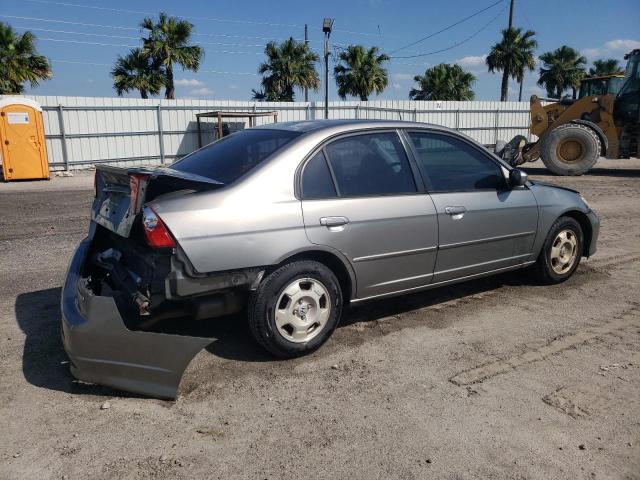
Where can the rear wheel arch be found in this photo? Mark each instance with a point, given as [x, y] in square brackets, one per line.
[339, 267]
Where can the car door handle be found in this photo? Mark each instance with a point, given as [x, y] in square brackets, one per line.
[334, 221]
[455, 210]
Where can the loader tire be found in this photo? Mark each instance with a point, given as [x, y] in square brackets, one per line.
[570, 149]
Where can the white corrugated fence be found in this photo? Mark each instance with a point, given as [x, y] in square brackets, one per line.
[82, 131]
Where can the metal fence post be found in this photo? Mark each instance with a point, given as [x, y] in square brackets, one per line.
[458, 119]
[308, 109]
[415, 114]
[63, 137]
[358, 110]
[160, 133]
[495, 127]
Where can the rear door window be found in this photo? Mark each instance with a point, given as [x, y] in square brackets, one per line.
[231, 157]
[449, 164]
[316, 179]
[370, 164]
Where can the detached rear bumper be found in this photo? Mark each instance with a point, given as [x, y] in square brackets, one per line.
[103, 351]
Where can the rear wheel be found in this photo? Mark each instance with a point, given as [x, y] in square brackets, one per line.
[570, 149]
[296, 308]
[561, 251]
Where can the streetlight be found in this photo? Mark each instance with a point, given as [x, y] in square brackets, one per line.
[327, 25]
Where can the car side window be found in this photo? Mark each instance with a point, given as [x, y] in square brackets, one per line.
[370, 164]
[449, 164]
[316, 179]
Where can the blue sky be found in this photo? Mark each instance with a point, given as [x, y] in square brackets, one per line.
[84, 42]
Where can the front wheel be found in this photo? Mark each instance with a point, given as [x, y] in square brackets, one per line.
[296, 308]
[561, 251]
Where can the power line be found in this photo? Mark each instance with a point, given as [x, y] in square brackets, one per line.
[104, 35]
[477, 32]
[448, 27]
[134, 46]
[78, 62]
[138, 12]
[96, 25]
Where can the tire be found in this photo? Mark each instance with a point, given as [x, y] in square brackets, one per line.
[306, 298]
[570, 149]
[549, 268]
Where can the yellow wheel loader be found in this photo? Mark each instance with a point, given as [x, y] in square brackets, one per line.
[574, 133]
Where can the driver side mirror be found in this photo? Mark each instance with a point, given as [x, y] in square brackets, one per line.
[517, 178]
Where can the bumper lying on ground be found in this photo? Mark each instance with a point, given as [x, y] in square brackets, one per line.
[102, 350]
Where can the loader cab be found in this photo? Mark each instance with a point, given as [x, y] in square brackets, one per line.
[627, 103]
[605, 85]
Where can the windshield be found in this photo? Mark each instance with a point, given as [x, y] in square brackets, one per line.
[231, 157]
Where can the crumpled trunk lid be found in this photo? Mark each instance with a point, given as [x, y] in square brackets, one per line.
[121, 192]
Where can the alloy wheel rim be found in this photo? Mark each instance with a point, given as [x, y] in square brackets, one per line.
[564, 251]
[302, 310]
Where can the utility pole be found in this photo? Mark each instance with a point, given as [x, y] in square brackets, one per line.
[306, 42]
[327, 25]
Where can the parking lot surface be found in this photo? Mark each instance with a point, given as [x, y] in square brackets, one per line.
[495, 378]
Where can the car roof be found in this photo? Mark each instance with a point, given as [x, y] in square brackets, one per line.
[346, 124]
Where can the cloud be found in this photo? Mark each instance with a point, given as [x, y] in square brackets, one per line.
[473, 63]
[233, 87]
[188, 82]
[397, 86]
[201, 92]
[616, 48]
[403, 77]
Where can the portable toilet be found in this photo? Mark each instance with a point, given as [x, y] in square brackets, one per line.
[23, 150]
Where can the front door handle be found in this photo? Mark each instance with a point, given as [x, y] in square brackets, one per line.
[334, 221]
[455, 210]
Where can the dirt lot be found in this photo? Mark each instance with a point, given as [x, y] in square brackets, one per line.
[497, 378]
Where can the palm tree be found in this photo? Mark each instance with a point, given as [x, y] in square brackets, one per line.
[360, 72]
[289, 65]
[19, 61]
[562, 69]
[601, 68]
[512, 55]
[443, 82]
[136, 71]
[168, 43]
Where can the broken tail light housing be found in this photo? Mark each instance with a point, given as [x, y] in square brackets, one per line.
[155, 232]
[137, 186]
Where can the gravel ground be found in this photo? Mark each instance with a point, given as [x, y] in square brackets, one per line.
[496, 378]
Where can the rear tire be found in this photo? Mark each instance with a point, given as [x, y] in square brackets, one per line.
[561, 252]
[295, 309]
[570, 149]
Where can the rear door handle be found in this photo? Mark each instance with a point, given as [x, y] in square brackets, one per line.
[334, 221]
[454, 210]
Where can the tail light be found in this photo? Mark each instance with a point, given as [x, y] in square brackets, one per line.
[137, 183]
[155, 232]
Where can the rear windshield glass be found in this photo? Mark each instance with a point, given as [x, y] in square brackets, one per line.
[228, 159]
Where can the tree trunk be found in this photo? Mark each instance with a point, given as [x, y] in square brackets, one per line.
[520, 94]
[574, 92]
[169, 91]
[143, 93]
[363, 98]
[504, 88]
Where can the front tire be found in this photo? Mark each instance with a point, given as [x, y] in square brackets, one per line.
[295, 309]
[570, 149]
[561, 251]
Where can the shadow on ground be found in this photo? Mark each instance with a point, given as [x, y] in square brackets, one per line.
[44, 361]
[45, 364]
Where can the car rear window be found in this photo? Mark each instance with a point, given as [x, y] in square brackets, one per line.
[228, 159]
